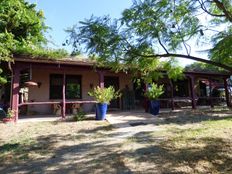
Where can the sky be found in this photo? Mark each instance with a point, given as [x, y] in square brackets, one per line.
[61, 14]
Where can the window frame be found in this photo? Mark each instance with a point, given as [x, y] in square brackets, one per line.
[79, 77]
[66, 77]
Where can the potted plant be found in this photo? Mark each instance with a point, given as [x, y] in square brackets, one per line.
[10, 116]
[103, 97]
[153, 92]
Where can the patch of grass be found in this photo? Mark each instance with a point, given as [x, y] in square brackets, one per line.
[193, 145]
[202, 147]
[9, 147]
[13, 152]
[80, 116]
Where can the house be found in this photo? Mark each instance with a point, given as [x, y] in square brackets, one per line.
[42, 86]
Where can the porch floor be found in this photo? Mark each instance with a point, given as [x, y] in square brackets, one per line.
[128, 114]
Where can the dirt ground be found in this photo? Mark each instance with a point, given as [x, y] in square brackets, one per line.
[185, 142]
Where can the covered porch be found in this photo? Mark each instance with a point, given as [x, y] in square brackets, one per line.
[51, 86]
[58, 88]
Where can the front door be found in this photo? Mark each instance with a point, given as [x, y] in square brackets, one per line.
[112, 81]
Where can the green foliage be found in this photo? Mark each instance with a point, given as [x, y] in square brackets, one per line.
[151, 30]
[20, 23]
[22, 30]
[202, 67]
[6, 44]
[10, 113]
[154, 91]
[3, 79]
[40, 52]
[222, 50]
[104, 95]
[79, 116]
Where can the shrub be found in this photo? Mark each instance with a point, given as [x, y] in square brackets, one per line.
[104, 95]
[79, 116]
[10, 113]
[154, 91]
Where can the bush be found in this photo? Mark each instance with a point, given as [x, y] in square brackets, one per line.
[104, 95]
[154, 91]
[10, 113]
[79, 116]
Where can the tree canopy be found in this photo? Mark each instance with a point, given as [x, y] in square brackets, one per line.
[152, 33]
[22, 32]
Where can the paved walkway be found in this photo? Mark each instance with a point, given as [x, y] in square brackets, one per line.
[41, 118]
[126, 123]
[129, 123]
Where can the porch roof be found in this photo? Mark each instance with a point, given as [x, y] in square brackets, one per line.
[80, 61]
[83, 61]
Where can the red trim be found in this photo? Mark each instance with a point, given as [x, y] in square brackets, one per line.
[63, 101]
[227, 93]
[15, 92]
[101, 79]
[58, 102]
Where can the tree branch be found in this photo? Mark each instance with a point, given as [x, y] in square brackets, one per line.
[228, 68]
[162, 45]
[206, 11]
[221, 6]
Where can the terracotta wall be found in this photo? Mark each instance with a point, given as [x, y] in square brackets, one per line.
[88, 77]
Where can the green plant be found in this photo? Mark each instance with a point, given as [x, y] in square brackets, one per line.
[154, 91]
[10, 113]
[79, 116]
[104, 95]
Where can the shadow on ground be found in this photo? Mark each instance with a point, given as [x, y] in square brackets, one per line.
[178, 118]
[76, 154]
[213, 157]
[91, 151]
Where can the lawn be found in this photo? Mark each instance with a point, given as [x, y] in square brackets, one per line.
[186, 142]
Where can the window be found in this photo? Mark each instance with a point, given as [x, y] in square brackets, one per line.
[181, 88]
[56, 83]
[73, 86]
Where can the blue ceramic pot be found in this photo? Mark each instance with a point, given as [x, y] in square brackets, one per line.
[101, 109]
[154, 107]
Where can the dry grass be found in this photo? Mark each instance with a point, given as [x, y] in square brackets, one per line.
[191, 142]
[187, 142]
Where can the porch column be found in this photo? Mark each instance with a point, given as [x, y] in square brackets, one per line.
[146, 101]
[15, 92]
[64, 100]
[101, 79]
[192, 91]
[227, 92]
[172, 101]
[210, 92]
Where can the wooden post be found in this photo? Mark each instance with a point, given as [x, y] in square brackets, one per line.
[210, 92]
[227, 92]
[146, 100]
[192, 88]
[101, 79]
[172, 101]
[15, 92]
[64, 100]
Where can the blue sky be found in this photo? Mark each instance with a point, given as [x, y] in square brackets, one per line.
[62, 14]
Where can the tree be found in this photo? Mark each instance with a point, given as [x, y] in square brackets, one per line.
[152, 30]
[22, 30]
[20, 25]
